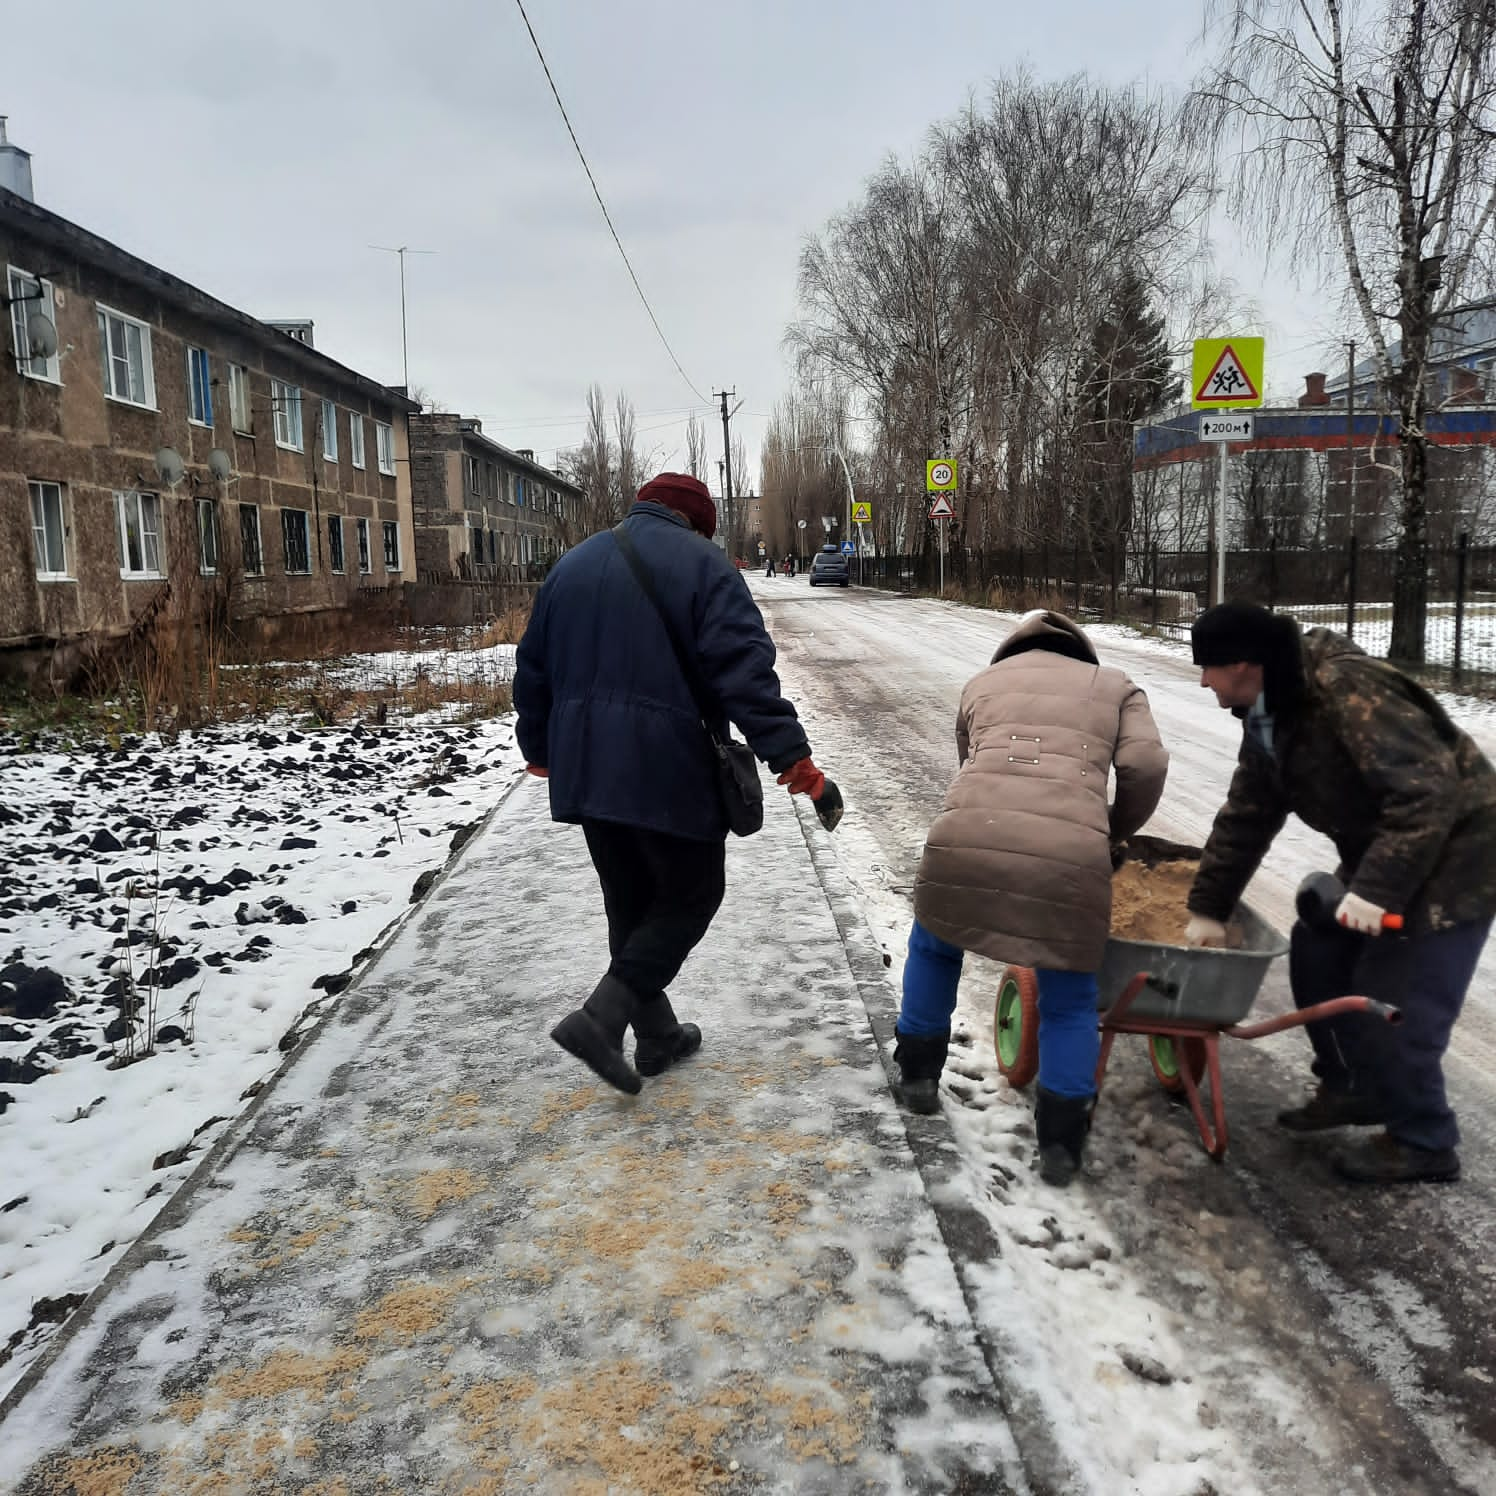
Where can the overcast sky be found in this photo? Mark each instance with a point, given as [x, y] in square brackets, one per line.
[257, 150]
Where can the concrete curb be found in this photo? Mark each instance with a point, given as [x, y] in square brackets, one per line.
[143, 1249]
[968, 1237]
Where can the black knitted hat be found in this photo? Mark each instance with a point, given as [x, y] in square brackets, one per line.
[1243, 633]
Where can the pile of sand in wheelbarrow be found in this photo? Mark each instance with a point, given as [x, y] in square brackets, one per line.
[1148, 903]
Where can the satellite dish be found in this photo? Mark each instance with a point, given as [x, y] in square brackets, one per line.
[220, 464]
[41, 335]
[169, 467]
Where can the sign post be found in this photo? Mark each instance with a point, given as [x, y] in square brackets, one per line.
[940, 480]
[1226, 375]
[862, 515]
[801, 524]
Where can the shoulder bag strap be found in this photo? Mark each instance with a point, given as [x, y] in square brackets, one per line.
[694, 683]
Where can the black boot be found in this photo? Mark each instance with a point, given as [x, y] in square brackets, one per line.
[661, 1039]
[920, 1061]
[1331, 1107]
[1061, 1123]
[1385, 1160]
[594, 1034]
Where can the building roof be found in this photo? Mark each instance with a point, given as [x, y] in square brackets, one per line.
[472, 431]
[61, 234]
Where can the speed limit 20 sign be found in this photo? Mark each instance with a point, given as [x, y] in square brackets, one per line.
[940, 474]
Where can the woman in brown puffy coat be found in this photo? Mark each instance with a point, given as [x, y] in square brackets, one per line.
[1017, 866]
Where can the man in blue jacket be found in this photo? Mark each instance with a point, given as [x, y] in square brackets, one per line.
[606, 716]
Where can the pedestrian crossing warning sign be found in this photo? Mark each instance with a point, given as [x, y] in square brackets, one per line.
[1227, 373]
[862, 514]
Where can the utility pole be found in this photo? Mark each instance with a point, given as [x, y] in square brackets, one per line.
[722, 395]
[1350, 428]
[402, 251]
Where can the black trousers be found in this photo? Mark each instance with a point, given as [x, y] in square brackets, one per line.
[660, 893]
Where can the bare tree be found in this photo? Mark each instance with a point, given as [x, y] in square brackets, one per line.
[1370, 146]
[696, 447]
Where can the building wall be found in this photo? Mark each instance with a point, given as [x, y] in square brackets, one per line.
[71, 433]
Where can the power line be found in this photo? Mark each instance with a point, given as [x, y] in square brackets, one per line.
[607, 217]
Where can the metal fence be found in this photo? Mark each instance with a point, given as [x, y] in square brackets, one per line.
[1346, 587]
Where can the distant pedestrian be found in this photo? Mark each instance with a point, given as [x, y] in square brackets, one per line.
[1366, 756]
[606, 712]
[769, 567]
[1018, 865]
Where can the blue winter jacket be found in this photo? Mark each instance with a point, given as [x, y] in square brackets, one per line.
[602, 703]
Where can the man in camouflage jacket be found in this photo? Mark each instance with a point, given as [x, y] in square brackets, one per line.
[1365, 755]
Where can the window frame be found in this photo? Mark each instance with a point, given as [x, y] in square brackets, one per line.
[329, 430]
[205, 388]
[44, 573]
[356, 439]
[258, 570]
[337, 558]
[281, 406]
[147, 358]
[287, 524]
[392, 527]
[384, 438]
[365, 550]
[20, 310]
[239, 394]
[210, 506]
[122, 496]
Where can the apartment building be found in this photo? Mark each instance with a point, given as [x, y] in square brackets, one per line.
[157, 444]
[482, 511]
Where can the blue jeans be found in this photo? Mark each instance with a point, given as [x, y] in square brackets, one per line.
[1402, 1068]
[1069, 1040]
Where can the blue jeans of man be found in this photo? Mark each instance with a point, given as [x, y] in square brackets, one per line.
[1069, 1041]
[1401, 1067]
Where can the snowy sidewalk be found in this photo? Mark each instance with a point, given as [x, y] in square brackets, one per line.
[436, 1256]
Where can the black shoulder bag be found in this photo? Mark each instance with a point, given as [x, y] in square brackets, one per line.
[737, 770]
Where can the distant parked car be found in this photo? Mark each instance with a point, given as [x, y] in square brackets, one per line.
[830, 566]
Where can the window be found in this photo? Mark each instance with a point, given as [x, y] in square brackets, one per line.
[329, 431]
[249, 540]
[365, 565]
[294, 534]
[356, 440]
[286, 401]
[493, 549]
[335, 542]
[476, 547]
[207, 536]
[49, 531]
[391, 545]
[125, 352]
[239, 397]
[28, 298]
[199, 388]
[384, 446]
[139, 516]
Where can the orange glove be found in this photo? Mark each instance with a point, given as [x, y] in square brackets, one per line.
[537, 771]
[804, 778]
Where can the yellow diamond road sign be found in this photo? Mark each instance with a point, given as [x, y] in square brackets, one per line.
[862, 514]
[940, 474]
[1227, 373]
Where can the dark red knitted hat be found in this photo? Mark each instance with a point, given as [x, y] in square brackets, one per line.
[686, 495]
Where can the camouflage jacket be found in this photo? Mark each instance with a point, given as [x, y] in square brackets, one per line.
[1370, 759]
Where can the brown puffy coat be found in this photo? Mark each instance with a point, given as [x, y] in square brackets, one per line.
[1018, 865]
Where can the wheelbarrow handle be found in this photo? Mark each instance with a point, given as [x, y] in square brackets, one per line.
[1332, 1009]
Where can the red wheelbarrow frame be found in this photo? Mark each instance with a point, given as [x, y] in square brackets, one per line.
[1213, 1135]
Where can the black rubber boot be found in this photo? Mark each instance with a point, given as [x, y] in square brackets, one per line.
[661, 1038]
[594, 1034]
[1061, 1123]
[921, 1061]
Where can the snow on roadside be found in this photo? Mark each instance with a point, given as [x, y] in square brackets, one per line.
[283, 855]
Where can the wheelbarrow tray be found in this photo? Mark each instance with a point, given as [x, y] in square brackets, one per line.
[1197, 986]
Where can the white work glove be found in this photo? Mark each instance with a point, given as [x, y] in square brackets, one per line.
[1356, 913]
[1203, 931]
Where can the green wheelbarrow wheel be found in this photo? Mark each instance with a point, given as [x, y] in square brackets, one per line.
[1015, 1025]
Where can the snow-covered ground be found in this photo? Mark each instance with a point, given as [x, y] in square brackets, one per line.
[244, 872]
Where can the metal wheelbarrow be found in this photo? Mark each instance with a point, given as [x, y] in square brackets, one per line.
[1182, 998]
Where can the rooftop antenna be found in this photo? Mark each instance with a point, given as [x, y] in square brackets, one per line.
[402, 251]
